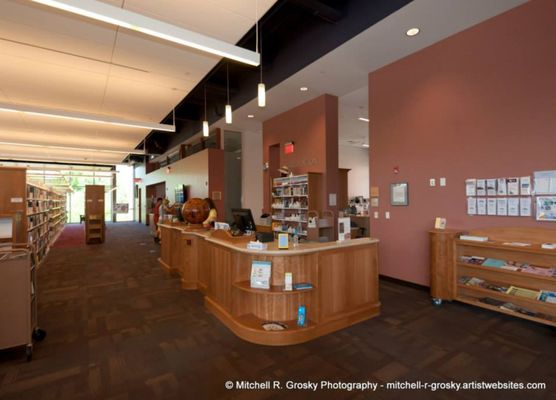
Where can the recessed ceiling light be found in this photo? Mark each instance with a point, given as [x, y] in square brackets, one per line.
[250, 116]
[303, 88]
[412, 31]
[363, 119]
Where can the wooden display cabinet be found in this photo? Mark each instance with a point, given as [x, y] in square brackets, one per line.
[94, 214]
[448, 266]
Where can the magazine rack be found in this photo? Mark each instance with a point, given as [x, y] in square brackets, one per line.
[517, 246]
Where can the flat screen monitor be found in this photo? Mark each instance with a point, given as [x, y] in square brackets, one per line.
[243, 219]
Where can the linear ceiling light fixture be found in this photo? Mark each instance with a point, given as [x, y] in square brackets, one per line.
[79, 116]
[363, 119]
[152, 27]
[228, 108]
[48, 146]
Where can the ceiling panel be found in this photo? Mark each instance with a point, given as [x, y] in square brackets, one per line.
[55, 59]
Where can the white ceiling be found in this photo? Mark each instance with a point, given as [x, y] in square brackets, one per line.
[54, 59]
[344, 71]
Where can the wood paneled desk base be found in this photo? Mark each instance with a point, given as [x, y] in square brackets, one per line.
[344, 278]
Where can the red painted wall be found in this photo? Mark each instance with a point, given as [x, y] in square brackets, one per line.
[480, 104]
[313, 127]
[216, 181]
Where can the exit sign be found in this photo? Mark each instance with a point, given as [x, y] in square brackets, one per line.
[288, 148]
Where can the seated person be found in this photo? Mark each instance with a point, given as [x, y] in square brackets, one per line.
[213, 214]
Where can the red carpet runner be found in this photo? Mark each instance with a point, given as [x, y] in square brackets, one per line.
[73, 235]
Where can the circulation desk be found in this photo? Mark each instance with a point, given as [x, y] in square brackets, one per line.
[344, 278]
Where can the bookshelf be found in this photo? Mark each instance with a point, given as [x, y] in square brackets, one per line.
[454, 262]
[292, 199]
[94, 214]
[37, 214]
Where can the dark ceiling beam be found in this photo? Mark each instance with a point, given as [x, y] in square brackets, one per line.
[318, 9]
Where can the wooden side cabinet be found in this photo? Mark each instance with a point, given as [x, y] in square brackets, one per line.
[441, 264]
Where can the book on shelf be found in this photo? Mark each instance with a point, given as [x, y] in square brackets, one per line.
[474, 238]
[518, 309]
[548, 246]
[522, 292]
[492, 302]
[531, 269]
[473, 281]
[548, 296]
[302, 286]
[493, 262]
[475, 260]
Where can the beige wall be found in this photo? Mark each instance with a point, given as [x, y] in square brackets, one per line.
[252, 172]
[356, 159]
[192, 171]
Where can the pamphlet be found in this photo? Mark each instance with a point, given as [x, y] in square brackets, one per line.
[481, 206]
[513, 207]
[502, 206]
[260, 274]
[513, 186]
[525, 185]
[502, 188]
[471, 206]
[481, 187]
[525, 206]
[491, 206]
[470, 187]
[491, 187]
[545, 182]
[440, 223]
[344, 229]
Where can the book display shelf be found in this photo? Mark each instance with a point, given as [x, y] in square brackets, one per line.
[507, 271]
[292, 198]
[94, 214]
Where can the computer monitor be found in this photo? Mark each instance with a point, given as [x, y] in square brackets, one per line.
[243, 219]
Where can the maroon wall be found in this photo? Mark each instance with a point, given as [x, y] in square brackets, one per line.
[216, 182]
[480, 104]
[313, 127]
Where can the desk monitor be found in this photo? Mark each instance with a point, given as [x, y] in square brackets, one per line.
[243, 219]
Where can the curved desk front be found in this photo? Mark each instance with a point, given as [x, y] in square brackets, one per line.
[344, 278]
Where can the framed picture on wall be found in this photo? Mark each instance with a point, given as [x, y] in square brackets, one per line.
[398, 194]
[546, 208]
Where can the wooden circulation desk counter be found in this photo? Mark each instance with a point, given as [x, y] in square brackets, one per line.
[344, 278]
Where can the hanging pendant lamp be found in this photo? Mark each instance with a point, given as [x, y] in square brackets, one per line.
[261, 90]
[205, 122]
[228, 108]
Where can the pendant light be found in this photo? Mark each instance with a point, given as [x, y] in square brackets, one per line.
[228, 109]
[205, 122]
[261, 90]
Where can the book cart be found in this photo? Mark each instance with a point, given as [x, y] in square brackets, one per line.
[519, 278]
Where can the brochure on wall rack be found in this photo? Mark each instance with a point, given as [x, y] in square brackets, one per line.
[525, 206]
[545, 182]
[525, 185]
[491, 187]
[502, 206]
[481, 187]
[471, 206]
[513, 207]
[481, 206]
[513, 186]
[491, 206]
[470, 187]
[502, 188]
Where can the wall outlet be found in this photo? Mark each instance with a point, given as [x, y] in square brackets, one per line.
[387, 215]
[442, 181]
[432, 182]
[376, 214]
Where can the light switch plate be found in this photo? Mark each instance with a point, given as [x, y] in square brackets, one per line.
[387, 215]
[432, 182]
[376, 214]
[442, 181]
